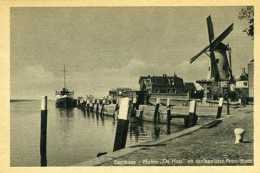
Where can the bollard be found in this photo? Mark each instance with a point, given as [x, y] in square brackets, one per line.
[43, 139]
[156, 111]
[122, 124]
[191, 119]
[220, 105]
[168, 117]
[239, 135]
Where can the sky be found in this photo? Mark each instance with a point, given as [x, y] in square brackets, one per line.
[110, 47]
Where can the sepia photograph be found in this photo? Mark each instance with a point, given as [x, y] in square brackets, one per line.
[132, 86]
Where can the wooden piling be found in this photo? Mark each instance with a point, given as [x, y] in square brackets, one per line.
[228, 107]
[141, 113]
[102, 107]
[122, 124]
[220, 105]
[191, 119]
[133, 108]
[97, 107]
[156, 111]
[88, 105]
[168, 117]
[115, 111]
[43, 137]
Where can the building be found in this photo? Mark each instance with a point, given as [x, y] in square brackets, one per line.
[163, 87]
[242, 84]
[251, 78]
[119, 92]
[161, 84]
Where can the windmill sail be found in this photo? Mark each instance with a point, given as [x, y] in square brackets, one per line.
[214, 43]
[210, 29]
[213, 66]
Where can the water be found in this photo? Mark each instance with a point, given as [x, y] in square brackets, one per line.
[72, 135]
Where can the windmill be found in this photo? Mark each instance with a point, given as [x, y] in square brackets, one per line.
[220, 60]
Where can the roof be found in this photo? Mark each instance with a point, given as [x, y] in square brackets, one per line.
[164, 80]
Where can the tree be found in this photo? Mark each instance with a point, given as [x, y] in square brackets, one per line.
[247, 13]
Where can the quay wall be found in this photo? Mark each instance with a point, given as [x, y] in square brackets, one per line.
[203, 110]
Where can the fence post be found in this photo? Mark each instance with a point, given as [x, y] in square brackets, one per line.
[156, 111]
[43, 137]
[122, 124]
[168, 117]
[220, 104]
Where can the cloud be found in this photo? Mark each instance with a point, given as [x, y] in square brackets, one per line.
[38, 73]
[197, 70]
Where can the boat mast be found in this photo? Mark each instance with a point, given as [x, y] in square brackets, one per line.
[64, 77]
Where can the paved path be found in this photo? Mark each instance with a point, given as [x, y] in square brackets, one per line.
[213, 146]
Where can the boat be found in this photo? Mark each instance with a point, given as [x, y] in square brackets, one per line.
[65, 97]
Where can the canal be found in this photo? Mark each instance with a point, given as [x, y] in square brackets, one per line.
[72, 135]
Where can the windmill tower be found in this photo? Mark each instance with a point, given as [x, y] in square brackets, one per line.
[219, 54]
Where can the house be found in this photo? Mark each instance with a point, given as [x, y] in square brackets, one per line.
[161, 84]
[163, 88]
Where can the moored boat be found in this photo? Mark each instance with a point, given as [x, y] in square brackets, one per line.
[65, 97]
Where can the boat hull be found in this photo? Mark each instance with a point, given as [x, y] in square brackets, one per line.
[65, 102]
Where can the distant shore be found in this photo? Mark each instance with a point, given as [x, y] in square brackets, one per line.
[26, 100]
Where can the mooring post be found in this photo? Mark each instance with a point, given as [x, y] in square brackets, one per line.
[97, 106]
[134, 102]
[239, 101]
[43, 134]
[115, 111]
[228, 107]
[191, 119]
[168, 117]
[88, 105]
[156, 111]
[91, 106]
[141, 109]
[122, 124]
[102, 107]
[133, 108]
[220, 105]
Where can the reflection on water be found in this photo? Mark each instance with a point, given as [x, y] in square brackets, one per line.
[73, 135]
